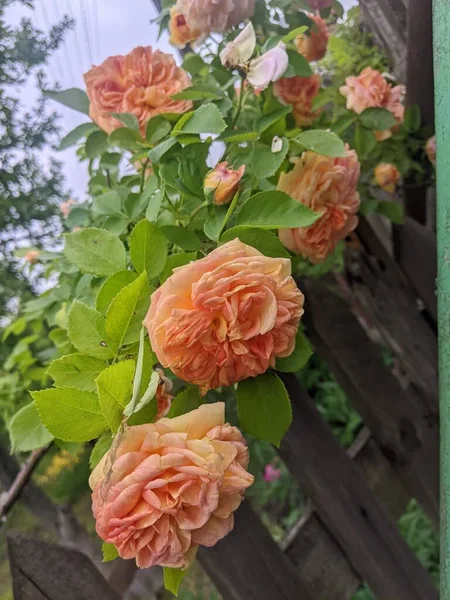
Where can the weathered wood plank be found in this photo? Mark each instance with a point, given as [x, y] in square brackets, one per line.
[43, 571]
[249, 565]
[405, 428]
[346, 505]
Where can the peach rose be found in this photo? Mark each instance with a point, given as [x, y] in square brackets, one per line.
[313, 44]
[180, 32]
[225, 317]
[215, 15]
[328, 186]
[141, 82]
[167, 487]
[224, 182]
[430, 149]
[387, 176]
[369, 90]
[32, 256]
[300, 93]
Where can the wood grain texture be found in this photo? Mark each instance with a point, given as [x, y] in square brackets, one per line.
[43, 571]
[346, 505]
[404, 427]
[249, 565]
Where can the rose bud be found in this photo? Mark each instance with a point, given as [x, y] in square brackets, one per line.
[224, 182]
[387, 176]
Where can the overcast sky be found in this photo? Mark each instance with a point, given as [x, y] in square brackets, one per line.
[102, 28]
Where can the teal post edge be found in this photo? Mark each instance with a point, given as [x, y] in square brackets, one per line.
[441, 44]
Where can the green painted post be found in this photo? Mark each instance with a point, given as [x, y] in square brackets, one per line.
[441, 22]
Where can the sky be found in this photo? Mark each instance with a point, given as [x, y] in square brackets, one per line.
[102, 28]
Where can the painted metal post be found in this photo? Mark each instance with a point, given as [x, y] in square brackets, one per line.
[441, 10]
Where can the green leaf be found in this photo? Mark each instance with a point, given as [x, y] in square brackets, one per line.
[294, 34]
[96, 144]
[109, 203]
[114, 386]
[125, 138]
[86, 330]
[149, 394]
[102, 445]
[215, 222]
[157, 129]
[109, 552]
[182, 237]
[26, 430]
[206, 119]
[265, 162]
[112, 287]
[264, 407]
[343, 124]
[200, 91]
[158, 152]
[392, 211]
[322, 142]
[299, 357]
[76, 135]
[173, 579]
[193, 63]
[266, 121]
[148, 248]
[364, 141]
[174, 261]
[298, 65]
[261, 239]
[69, 414]
[128, 119]
[95, 251]
[127, 311]
[275, 210]
[413, 119]
[72, 98]
[377, 118]
[237, 137]
[187, 400]
[76, 370]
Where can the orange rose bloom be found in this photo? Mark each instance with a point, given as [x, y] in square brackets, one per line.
[387, 176]
[327, 186]
[141, 82]
[224, 182]
[300, 92]
[169, 486]
[369, 90]
[180, 32]
[313, 45]
[215, 15]
[430, 149]
[225, 317]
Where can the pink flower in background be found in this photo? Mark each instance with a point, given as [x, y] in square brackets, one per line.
[313, 44]
[271, 473]
[66, 206]
[215, 15]
[141, 82]
[387, 177]
[300, 93]
[328, 186]
[226, 317]
[430, 149]
[167, 487]
[224, 182]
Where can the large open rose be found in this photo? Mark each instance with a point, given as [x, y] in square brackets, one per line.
[300, 93]
[215, 15]
[141, 82]
[225, 317]
[169, 486]
[327, 186]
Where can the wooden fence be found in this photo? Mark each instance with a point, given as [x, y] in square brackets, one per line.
[348, 534]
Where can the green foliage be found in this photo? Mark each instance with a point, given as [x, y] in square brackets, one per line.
[299, 357]
[275, 210]
[95, 251]
[173, 579]
[114, 387]
[185, 401]
[148, 248]
[26, 430]
[109, 552]
[76, 370]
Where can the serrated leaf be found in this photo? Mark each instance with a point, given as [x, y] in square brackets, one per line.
[95, 251]
[72, 98]
[264, 407]
[377, 118]
[157, 153]
[127, 311]
[109, 552]
[102, 445]
[96, 144]
[185, 401]
[364, 141]
[343, 124]
[237, 137]
[215, 222]
[76, 135]
[265, 162]
[109, 203]
[200, 91]
[206, 119]
[261, 239]
[322, 142]
[128, 119]
[86, 330]
[299, 357]
[114, 386]
[76, 370]
[266, 121]
[148, 248]
[182, 237]
[275, 210]
[112, 287]
[125, 138]
[157, 129]
[174, 261]
[173, 579]
[26, 430]
[69, 414]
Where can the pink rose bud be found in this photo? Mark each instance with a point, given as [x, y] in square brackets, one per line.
[430, 149]
[269, 67]
[271, 473]
[32, 256]
[167, 487]
[320, 4]
[224, 182]
[387, 176]
[239, 51]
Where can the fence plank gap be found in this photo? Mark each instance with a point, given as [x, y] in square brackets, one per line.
[346, 505]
